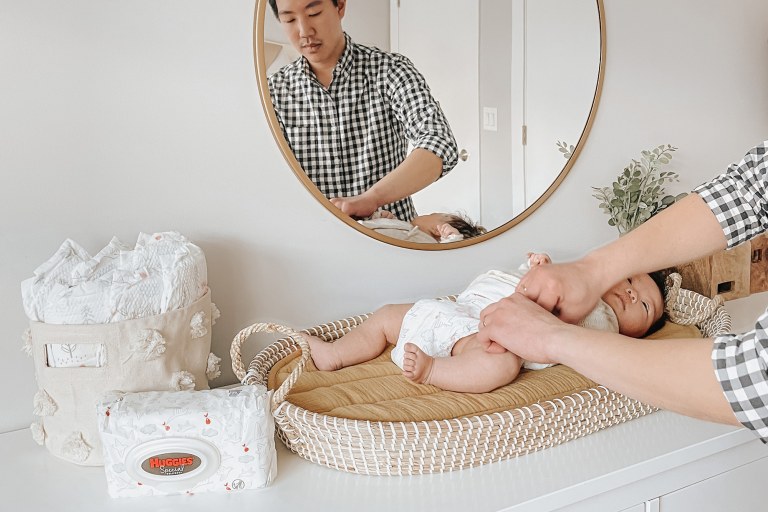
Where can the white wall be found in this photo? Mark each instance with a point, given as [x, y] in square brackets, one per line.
[125, 116]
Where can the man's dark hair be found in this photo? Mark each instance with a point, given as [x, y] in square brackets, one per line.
[465, 226]
[660, 278]
[273, 5]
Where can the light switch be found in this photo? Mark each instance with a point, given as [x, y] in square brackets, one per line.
[489, 119]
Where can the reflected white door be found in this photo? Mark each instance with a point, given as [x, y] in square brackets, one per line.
[441, 38]
[552, 90]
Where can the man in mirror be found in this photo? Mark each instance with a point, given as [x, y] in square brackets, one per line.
[349, 112]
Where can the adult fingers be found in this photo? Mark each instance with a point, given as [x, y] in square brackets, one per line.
[541, 296]
[486, 313]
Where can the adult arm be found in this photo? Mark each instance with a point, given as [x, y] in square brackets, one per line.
[727, 211]
[683, 232]
[419, 169]
[722, 379]
[434, 153]
[673, 374]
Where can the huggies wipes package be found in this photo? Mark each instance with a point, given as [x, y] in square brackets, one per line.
[176, 442]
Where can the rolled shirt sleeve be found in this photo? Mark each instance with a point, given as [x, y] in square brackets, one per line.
[739, 201]
[425, 123]
[738, 197]
[741, 367]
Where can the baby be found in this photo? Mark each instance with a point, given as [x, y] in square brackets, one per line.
[436, 340]
[435, 227]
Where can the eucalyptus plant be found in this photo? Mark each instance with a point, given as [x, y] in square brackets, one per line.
[638, 192]
[565, 148]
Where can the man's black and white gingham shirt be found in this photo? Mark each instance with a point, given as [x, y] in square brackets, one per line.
[739, 200]
[351, 135]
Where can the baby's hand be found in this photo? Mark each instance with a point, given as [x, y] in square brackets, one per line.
[540, 258]
[385, 214]
[448, 232]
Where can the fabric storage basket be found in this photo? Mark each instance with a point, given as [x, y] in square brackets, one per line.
[163, 352]
[420, 447]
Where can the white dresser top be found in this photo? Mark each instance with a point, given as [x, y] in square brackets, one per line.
[625, 455]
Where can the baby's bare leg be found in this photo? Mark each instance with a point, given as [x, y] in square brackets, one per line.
[362, 343]
[471, 371]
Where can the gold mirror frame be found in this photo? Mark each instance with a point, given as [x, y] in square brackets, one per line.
[266, 103]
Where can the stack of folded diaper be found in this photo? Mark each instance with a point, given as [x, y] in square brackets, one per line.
[162, 273]
[125, 319]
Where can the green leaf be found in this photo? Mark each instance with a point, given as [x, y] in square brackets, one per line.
[637, 193]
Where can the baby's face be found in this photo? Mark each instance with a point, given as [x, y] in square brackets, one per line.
[637, 303]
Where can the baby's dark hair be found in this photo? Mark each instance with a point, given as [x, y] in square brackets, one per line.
[273, 5]
[660, 278]
[466, 226]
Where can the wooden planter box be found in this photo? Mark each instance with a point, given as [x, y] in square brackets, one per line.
[733, 273]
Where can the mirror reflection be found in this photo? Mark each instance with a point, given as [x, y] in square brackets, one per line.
[466, 127]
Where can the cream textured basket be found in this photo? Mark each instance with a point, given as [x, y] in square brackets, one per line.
[405, 448]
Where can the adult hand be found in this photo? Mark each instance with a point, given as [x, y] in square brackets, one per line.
[569, 290]
[359, 207]
[522, 327]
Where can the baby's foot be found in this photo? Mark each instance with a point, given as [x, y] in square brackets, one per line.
[323, 354]
[417, 366]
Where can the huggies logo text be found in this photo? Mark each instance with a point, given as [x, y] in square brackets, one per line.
[157, 462]
[167, 464]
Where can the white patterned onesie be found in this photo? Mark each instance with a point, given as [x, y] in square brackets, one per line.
[435, 325]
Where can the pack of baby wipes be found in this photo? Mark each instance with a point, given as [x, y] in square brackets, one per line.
[166, 442]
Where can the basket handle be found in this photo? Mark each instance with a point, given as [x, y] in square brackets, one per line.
[237, 361]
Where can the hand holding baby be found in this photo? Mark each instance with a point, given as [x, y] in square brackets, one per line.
[520, 326]
[567, 290]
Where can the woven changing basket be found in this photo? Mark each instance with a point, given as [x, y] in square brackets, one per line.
[405, 448]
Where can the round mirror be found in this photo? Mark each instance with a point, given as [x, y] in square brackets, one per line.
[518, 82]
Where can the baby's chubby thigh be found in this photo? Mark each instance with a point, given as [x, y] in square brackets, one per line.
[472, 343]
[469, 342]
[501, 366]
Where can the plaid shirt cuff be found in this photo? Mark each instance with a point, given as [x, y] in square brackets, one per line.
[436, 136]
[738, 197]
[736, 216]
[740, 366]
